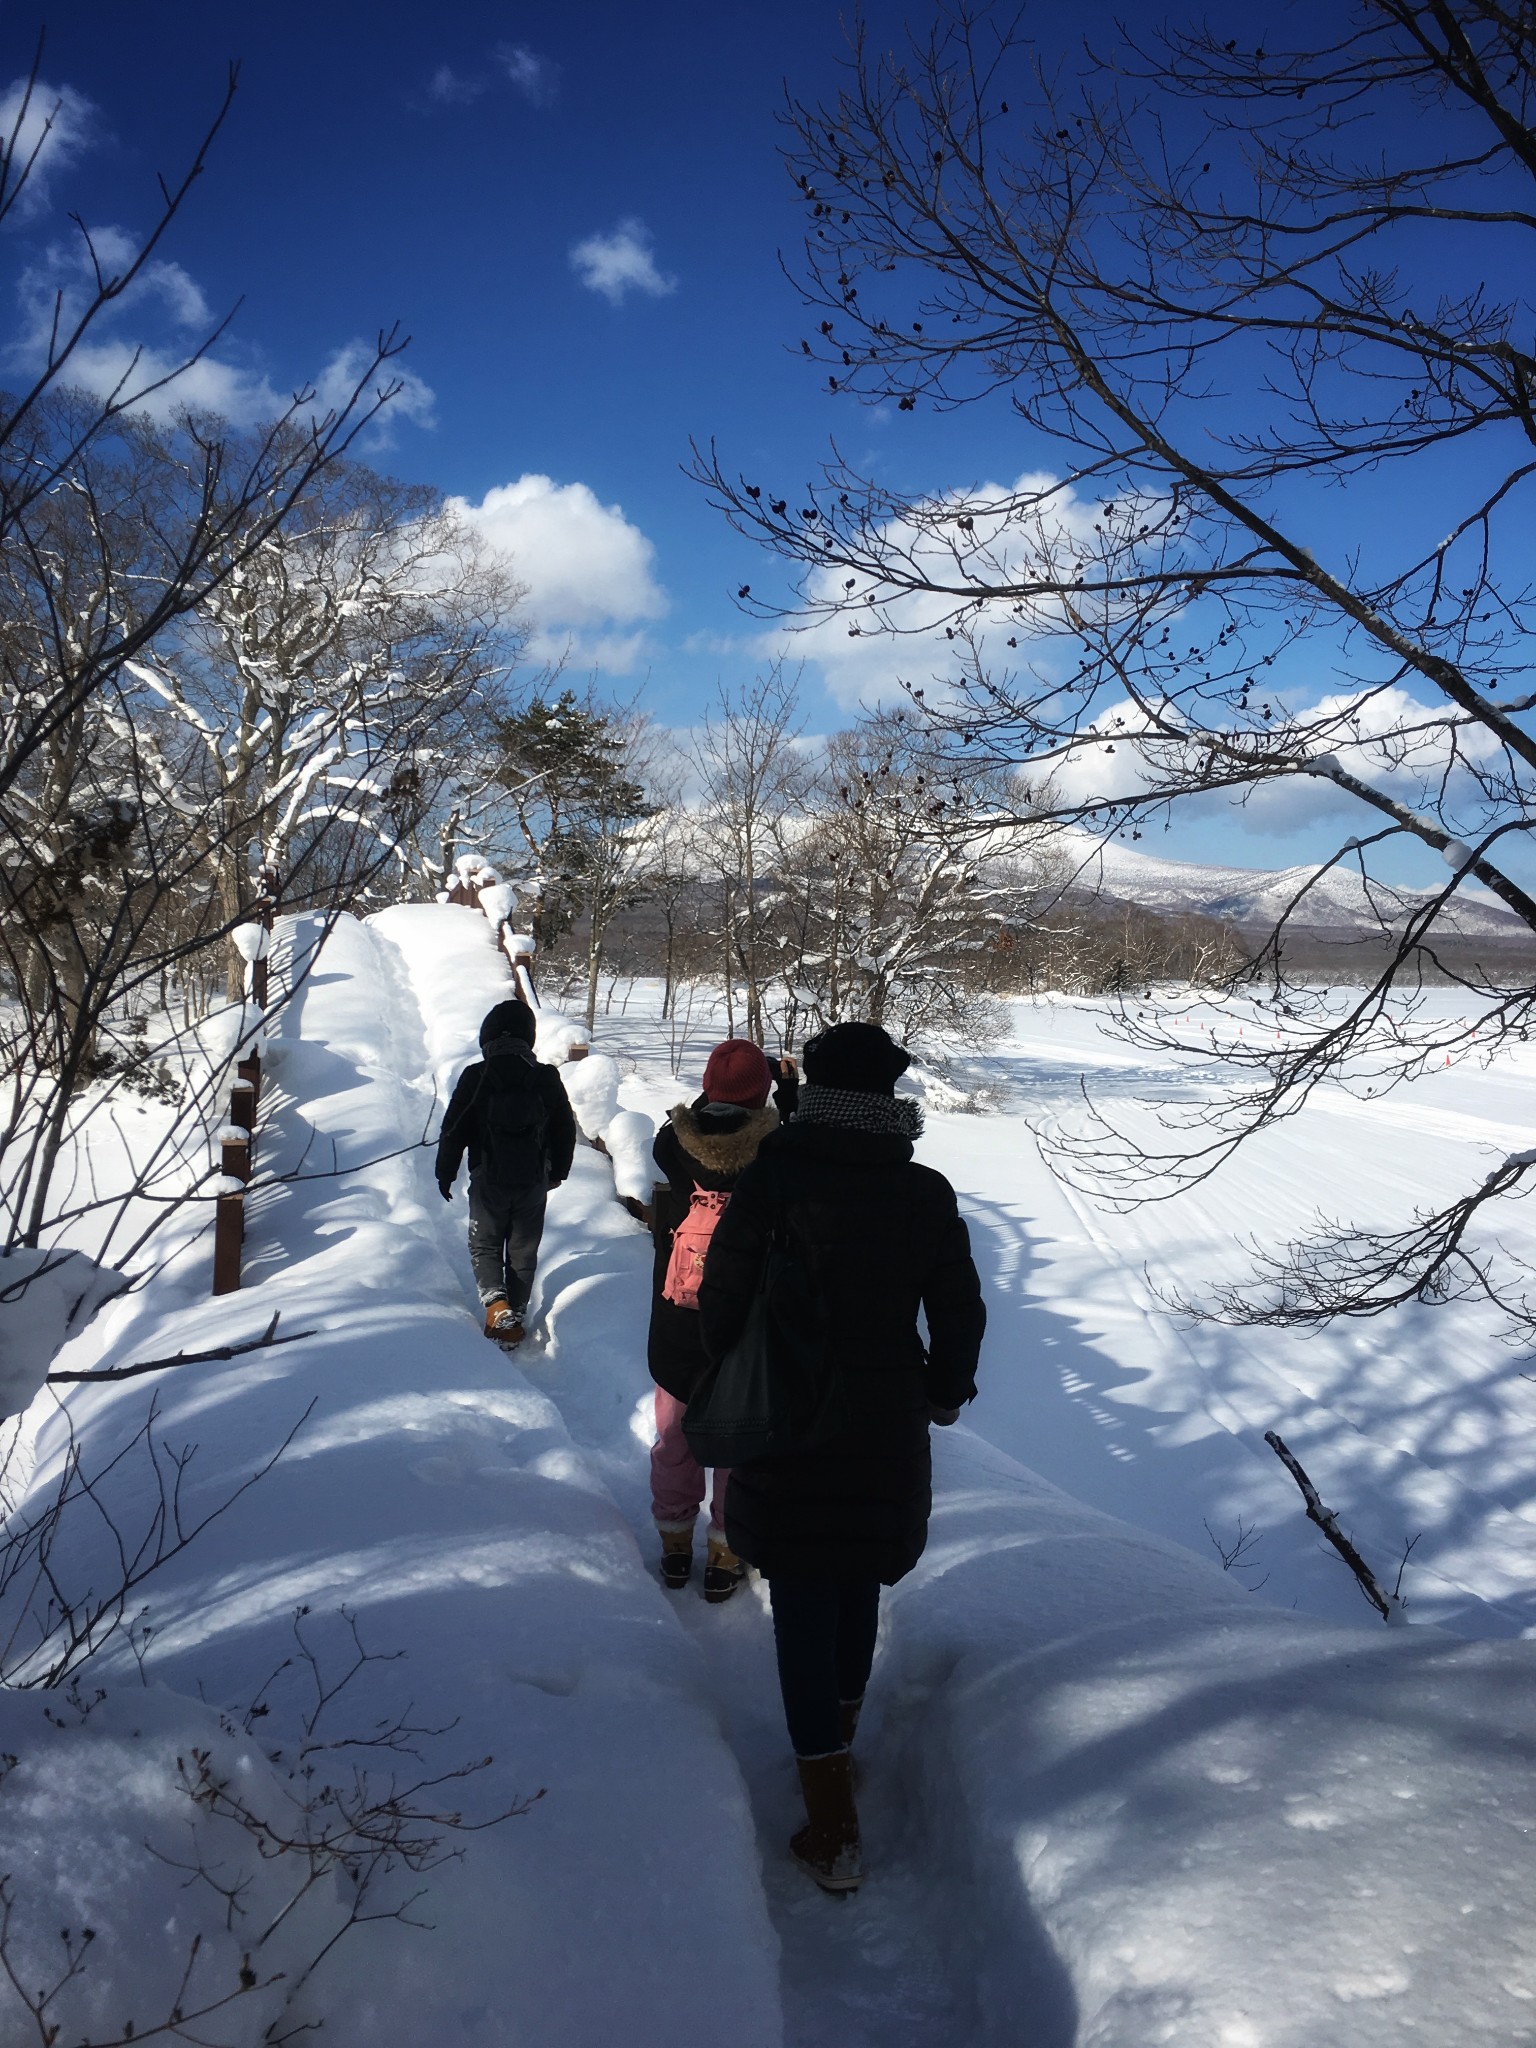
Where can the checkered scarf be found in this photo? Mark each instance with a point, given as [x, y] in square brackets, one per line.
[895, 1116]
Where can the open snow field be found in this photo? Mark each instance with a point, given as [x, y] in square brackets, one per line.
[1415, 1424]
[1112, 1798]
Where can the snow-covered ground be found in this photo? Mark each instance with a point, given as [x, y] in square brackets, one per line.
[1418, 1424]
[1111, 1796]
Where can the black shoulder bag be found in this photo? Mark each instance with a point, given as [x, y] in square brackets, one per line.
[777, 1389]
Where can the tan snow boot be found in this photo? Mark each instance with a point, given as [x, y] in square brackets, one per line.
[676, 1556]
[828, 1846]
[723, 1569]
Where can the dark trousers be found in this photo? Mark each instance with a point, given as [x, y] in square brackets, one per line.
[824, 1633]
[504, 1233]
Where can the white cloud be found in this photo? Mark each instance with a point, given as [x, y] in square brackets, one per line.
[589, 573]
[58, 123]
[733, 646]
[621, 262]
[449, 88]
[1418, 753]
[414, 400]
[535, 77]
[867, 652]
[1101, 770]
[155, 382]
[137, 348]
[65, 277]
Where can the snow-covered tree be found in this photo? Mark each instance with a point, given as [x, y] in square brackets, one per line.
[116, 528]
[752, 777]
[897, 890]
[321, 681]
[567, 768]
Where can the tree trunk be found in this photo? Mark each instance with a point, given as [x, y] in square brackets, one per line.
[729, 969]
[594, 964]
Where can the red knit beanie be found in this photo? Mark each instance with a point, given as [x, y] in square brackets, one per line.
[737, 1071]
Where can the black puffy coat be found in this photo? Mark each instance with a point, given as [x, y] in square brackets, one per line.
[465, 1126]
[883, 1237]
[701, 1145]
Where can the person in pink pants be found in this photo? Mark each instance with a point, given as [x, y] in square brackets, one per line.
[703, 1149]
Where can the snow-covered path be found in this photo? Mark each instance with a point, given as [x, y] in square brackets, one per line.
[435, 1495]
[889, 1968]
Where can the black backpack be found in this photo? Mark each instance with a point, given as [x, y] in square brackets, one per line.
[777, 1391]
[514, 1121]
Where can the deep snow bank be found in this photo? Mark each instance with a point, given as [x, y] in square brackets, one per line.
[436, 1495]
[1180, 1815]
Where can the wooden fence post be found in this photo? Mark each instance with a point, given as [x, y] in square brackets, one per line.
[242, 1097]
[522, 974]
[236, 1143]
[228, 1236]
[234, 1153]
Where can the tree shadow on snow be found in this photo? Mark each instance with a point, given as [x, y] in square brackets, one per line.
[1425, 1451]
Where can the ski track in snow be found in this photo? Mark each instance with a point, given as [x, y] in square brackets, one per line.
[881, 1969]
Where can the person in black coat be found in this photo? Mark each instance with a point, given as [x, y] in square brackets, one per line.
[704, 1145]
[883, 1240]
[513, 1117]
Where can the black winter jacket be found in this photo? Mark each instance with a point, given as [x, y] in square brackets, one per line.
[464, 1127]
[701, 1145]
[883, 1237]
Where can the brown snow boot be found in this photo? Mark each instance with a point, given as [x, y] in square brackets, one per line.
[723, 1569]
[503, 1323]
[676, 1557]
[828, 1846]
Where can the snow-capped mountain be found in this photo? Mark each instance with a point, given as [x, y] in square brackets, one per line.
[1336, 901]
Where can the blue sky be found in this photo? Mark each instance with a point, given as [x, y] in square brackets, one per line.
[577, 213]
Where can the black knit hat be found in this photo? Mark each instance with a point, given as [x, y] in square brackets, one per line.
[511, 1019]
[860, 1057]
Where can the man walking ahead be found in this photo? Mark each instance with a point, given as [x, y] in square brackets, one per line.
[514, 1118]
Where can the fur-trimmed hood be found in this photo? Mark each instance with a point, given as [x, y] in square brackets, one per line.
[724, 1152]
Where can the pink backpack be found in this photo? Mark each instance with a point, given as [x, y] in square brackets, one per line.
[690, 1241]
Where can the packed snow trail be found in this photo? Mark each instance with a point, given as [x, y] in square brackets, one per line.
[1112, 1800]
[888, 1968]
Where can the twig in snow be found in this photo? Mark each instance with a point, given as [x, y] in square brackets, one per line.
[1237, 1554]
[267, 1341]
[1388, 1605]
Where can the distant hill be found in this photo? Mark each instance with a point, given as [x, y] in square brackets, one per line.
[1251, 899]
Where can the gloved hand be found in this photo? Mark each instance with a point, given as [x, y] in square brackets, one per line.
[943, 1416]
[445, 1189]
